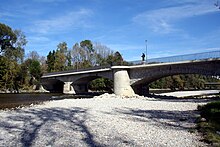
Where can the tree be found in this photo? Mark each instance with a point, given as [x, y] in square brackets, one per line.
[7, 37]
[87, 45]
[116, 59]
[188, 81]
[102, 50]
[12, 44]
[88, 50]
[101, 84]
[19, 45]
[33, 55]
[101, 54]
[60, 60]
[9, 72]
[69, 58]
[43, 64]
[50, 61]
[3, 70]
[35, 69]
[78, 56]
[178, 82]
[62, 47]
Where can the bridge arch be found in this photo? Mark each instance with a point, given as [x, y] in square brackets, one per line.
[145, 76]
[80, 85]
[53, 85]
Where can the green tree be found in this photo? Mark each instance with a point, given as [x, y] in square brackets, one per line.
[62, 47]
[9, 72]
[12, 53]
[35, 69]
[3, 70]
[101, 84]
[188, 81]
[7, 37]
[60, 60]
[87, 45]
[50, 61]
[116, 59]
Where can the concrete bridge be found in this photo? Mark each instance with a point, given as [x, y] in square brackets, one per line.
[128, 80]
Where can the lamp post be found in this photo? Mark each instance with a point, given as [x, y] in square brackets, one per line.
[146, 50]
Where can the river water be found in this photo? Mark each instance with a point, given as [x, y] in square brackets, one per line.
[10, 100]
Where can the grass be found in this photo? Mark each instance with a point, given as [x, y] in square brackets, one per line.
[209, 123]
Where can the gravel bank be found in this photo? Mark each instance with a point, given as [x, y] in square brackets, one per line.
[190, 93]
[102, 121]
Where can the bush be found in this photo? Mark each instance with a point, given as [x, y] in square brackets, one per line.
[211, 111]
[210, 127]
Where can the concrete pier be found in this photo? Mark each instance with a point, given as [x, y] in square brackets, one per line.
[68, 88]
[122, 83]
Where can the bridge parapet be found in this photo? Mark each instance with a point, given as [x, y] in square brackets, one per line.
[187, 57]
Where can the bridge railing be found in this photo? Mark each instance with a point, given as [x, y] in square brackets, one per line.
[187, 57]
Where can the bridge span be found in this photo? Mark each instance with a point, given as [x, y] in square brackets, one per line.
[128, 80]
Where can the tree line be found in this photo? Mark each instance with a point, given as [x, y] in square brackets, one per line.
[185, 82]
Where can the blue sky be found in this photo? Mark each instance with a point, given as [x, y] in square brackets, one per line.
[171, 27]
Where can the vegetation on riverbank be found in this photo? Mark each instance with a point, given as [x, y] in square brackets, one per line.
[185, 82]
[209, 123]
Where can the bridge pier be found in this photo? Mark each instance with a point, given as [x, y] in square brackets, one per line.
[68, 88]
[122, 82]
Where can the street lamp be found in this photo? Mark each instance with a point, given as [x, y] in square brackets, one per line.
[146, 50]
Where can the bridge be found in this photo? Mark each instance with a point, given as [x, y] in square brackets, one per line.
[128, 80]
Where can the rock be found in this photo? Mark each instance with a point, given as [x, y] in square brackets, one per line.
[203, 120]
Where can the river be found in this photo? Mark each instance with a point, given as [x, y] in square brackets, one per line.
[8, 100]
[11, 100]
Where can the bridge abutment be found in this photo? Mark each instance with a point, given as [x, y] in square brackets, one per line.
[122, 82]
[68, 88]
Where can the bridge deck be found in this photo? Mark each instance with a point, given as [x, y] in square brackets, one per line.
[108, 68]
[72, 72]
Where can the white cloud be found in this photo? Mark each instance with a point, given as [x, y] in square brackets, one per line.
[162, 20]
[71, 20]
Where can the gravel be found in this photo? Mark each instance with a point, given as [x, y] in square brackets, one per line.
[106, 120]
[191, 93]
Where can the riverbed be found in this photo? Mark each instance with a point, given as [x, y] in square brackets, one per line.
[106, 120]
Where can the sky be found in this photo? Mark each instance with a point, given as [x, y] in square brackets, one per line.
[171, 27]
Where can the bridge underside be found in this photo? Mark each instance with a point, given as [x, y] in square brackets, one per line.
[79, 86]
[52, 85]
